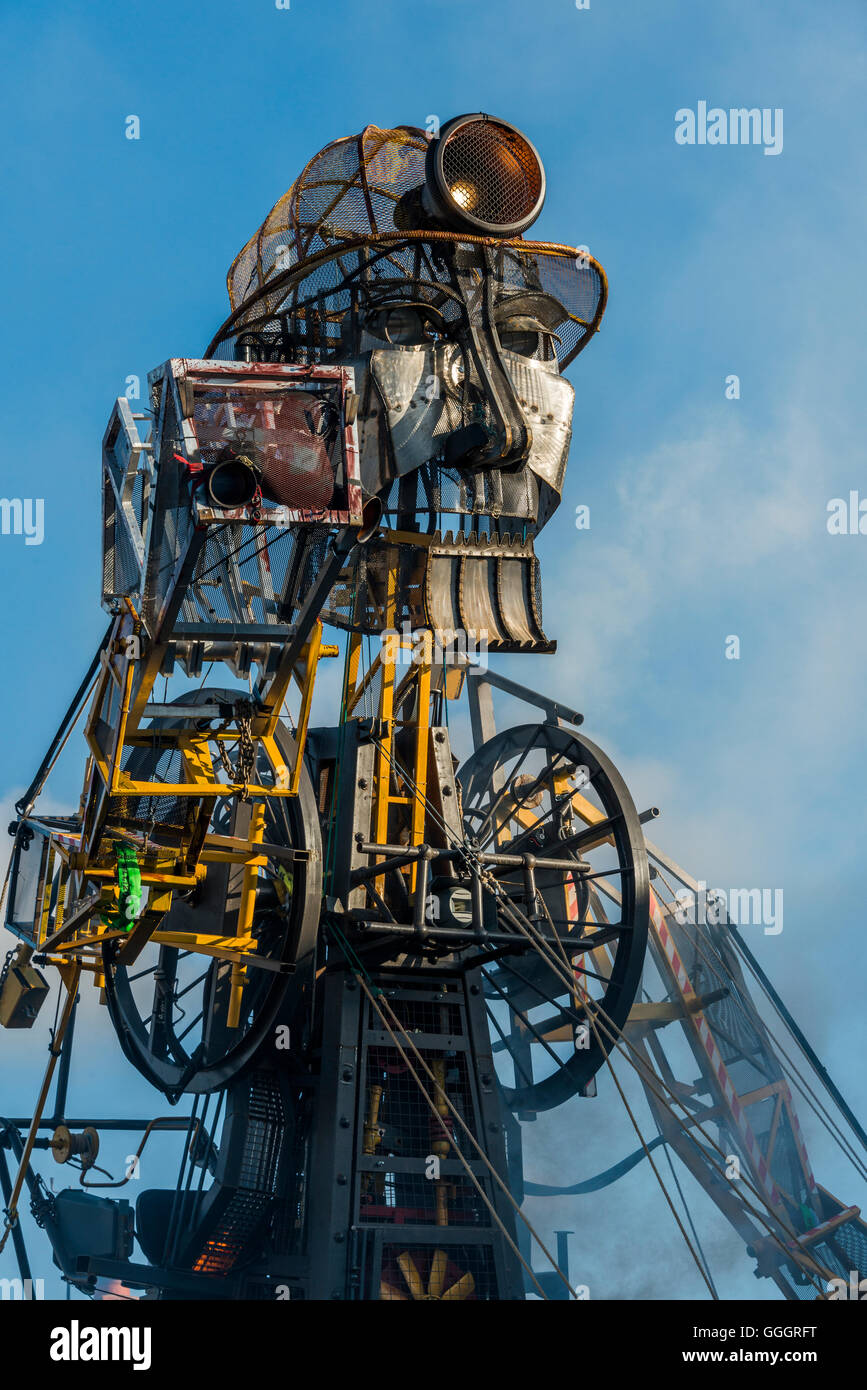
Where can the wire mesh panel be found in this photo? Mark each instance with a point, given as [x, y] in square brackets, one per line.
[248, 460]
[302, 271]
[491, 172]
[405, 1122]
[451, 1273]
[127, 474]
[173, 525]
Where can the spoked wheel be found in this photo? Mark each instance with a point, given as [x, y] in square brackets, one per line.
[543, 791]
[170, 1007]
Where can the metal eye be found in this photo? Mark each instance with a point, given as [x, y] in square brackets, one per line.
[528, 337]
[522, 341]
[405, 325]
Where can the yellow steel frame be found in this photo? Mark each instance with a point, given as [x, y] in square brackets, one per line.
[392, 691]
[112, 726]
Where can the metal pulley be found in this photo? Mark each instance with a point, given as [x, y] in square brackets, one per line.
[66, 1145]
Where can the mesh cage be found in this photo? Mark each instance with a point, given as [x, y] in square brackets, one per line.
[256, 1183]
[351, 188]
[491, 172]
[302, 315]
[339, 236]
[121, 569]
[397, 1198]
[410, 1128]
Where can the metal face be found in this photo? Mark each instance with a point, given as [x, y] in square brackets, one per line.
[465, 403]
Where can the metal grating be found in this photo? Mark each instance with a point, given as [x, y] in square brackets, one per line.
[491, 172]
[449, 1273]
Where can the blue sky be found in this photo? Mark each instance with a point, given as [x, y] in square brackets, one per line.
[708, 515]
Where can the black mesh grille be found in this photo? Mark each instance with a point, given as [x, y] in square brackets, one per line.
[491, 172]
[307, 319]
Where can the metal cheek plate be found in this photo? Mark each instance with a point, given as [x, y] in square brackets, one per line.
[547, 400]
[416, 385]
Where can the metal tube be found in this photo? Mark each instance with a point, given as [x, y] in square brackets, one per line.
[54, 1053]
[63, 1070]
[17, 1237]
[133, 1126]
[406, 853]
[421, 885]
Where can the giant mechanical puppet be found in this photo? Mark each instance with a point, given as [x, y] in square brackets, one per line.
[356, 966]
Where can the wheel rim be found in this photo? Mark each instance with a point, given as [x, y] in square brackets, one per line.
[536, 789]
[168, 1009]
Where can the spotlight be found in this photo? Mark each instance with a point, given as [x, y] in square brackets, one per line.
[465, 194]
[483, 176]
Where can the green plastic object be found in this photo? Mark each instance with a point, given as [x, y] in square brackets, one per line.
[129, 889]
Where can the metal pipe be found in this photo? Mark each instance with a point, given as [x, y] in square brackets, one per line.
[22, 806]
[133, 1126]
[469, 937]
[406, 853]
[425, 856]
[17, 1237]
[63, 1070]
[54, 1053]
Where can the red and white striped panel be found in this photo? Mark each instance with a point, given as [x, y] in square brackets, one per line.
[724, 1081]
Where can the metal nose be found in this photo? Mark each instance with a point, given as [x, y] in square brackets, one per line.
[464, 447]
[508, 437]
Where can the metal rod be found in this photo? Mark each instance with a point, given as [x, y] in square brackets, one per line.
[23, 804]
[552, 708]
[54, 1053]
[455, 934]
[63, 1069]
[17, 1236]
[406, 853]
[420, 897]
[133, 1126]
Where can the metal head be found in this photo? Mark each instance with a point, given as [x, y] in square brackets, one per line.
[401, 255]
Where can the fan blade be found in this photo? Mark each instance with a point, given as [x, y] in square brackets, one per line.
[437, 1274]
[462, 1289]
[411, 1274]
[389, 1291]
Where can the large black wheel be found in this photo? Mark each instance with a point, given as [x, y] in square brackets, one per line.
[169, 1008]
[542, 790]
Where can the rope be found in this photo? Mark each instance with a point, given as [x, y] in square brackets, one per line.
[594, 1013]
[635, 1124]
[613, 1031]
[695, 1234]
[482, 1155]
[465, 1164]
[791, 1070]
